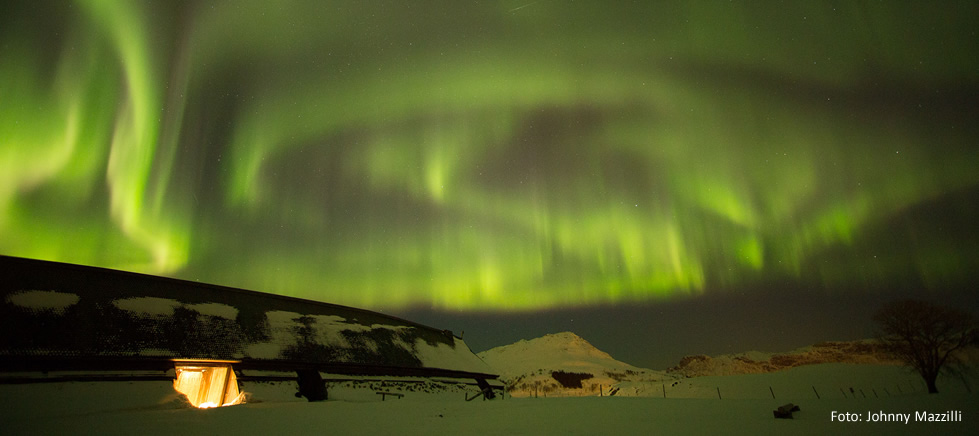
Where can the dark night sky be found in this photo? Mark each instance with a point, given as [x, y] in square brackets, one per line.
[674, 177]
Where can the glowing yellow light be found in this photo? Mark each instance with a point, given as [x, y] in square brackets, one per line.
[208, 385]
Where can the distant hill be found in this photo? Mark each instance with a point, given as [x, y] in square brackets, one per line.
[756, 362]
[562, 364]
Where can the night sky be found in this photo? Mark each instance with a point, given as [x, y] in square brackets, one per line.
[663, 178]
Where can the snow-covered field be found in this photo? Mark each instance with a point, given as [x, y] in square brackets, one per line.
[559, 416]
[148, 408]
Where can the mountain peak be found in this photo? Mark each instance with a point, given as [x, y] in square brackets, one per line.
[564, 337]
[554, 344]
[569, 336]
[556, 351]
[533, 362]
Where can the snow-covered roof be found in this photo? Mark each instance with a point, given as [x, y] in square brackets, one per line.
[62, 311]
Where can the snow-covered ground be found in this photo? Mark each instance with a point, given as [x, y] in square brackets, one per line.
[148, 408]
[646, 401]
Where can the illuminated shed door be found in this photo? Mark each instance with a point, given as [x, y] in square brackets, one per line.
[207, 383]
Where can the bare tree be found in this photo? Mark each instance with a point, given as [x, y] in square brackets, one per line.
[927, 337]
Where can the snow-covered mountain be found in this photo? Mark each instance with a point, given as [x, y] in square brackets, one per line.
[757, 362]
[562, 364]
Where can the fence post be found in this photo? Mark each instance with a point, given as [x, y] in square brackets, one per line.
[664, 390]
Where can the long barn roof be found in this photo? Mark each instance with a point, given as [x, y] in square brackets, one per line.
[56, 314]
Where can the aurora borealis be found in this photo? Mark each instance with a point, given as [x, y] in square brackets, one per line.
[495, 155]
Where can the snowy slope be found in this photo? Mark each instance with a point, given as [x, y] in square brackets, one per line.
[757, 362]
[458, 357]
[528, 366]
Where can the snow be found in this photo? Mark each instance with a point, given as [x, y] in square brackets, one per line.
[149, 408]
[558, 351]
[281, 326]
[863, 352]
[446, 357]
[732, 404]
[327, 331]
[526, 367]
[53, 301]
[215, 309]
[147, 306]
[263, 350]
[647, 402]
[162, 307]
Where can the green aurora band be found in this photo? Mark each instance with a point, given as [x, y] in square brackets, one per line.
[493, 155]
